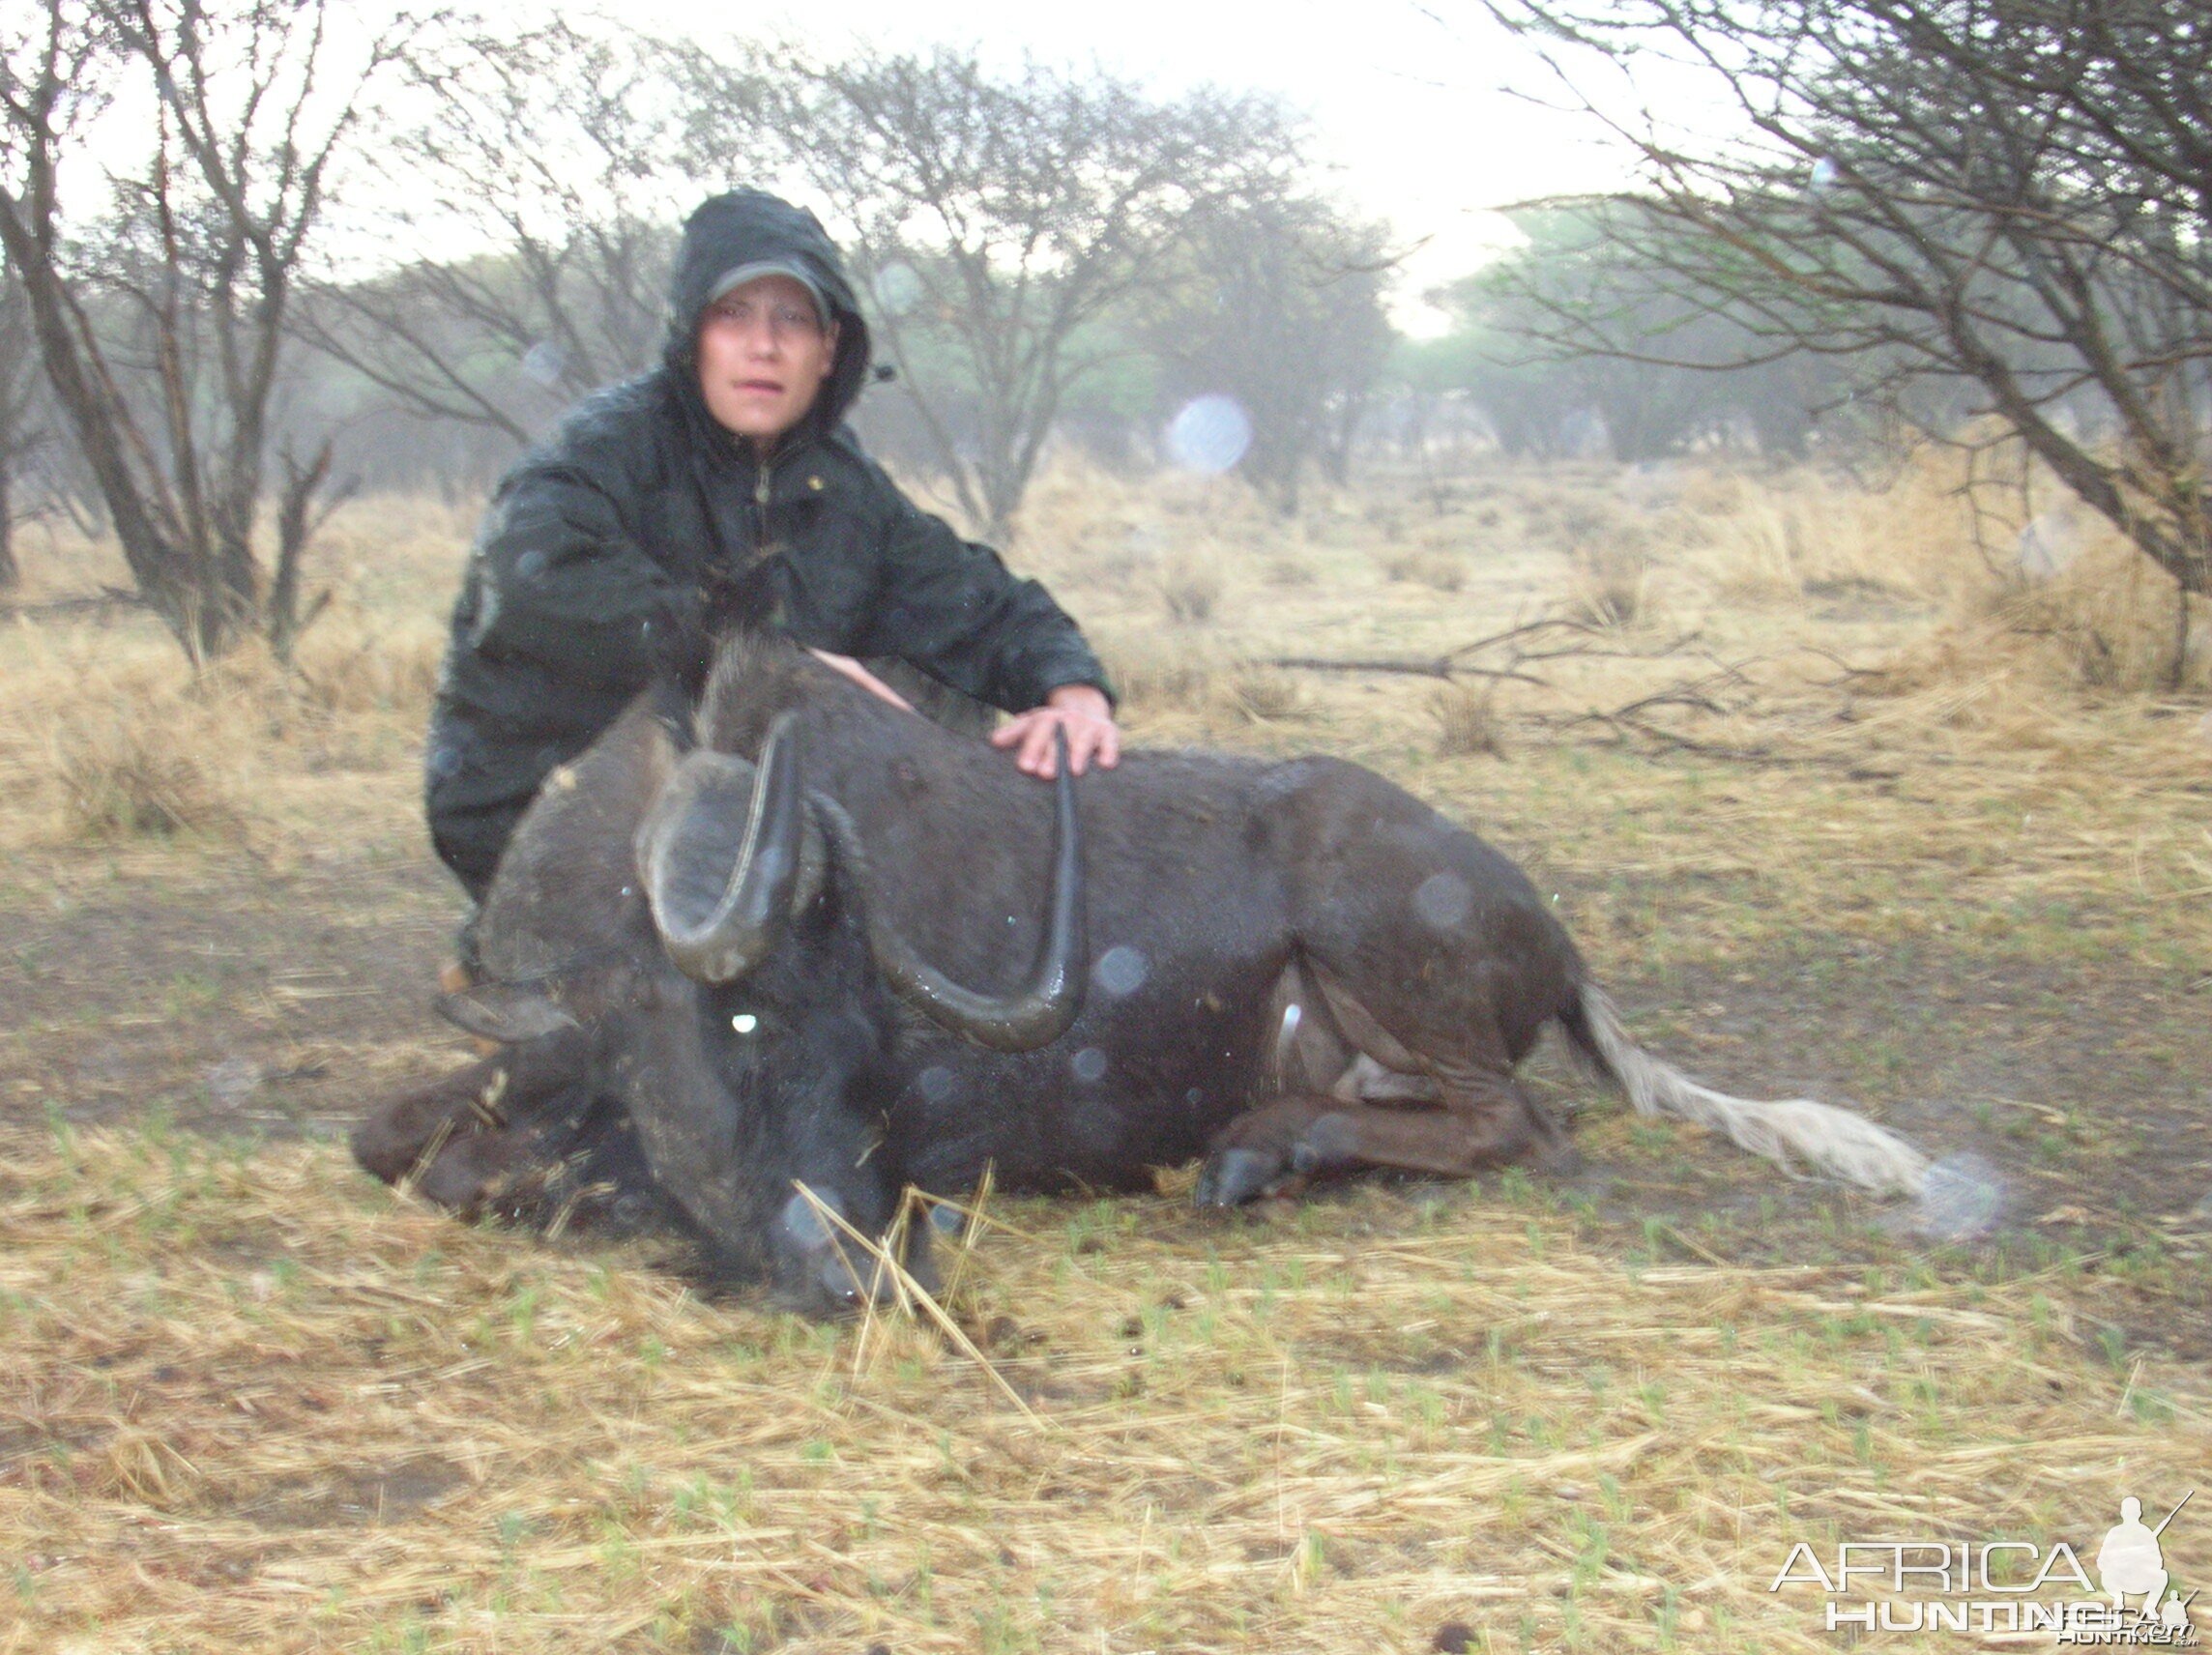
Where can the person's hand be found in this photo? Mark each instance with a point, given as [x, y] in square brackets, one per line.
[861, 675]
[1081, 710]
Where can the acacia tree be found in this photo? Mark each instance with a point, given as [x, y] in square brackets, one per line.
[1676, 365]
[995, 221]
[162, 326]
[552, 151]
[2011, 194]
[1276, 300]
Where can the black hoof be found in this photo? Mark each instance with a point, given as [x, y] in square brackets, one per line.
[1231, 1177]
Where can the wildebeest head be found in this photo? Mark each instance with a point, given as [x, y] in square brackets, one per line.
[729, 852]
[731, 955]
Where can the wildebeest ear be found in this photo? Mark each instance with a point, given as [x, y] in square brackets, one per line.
[505, 1012]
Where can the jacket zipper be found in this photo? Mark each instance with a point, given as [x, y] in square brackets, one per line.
[760, 505]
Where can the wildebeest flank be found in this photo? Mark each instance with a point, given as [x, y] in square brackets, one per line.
[1294, 968]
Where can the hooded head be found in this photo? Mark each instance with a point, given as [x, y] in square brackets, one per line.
[736, 237]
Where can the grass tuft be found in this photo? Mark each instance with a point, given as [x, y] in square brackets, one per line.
[124, 780]
[1190, 586]
[1467, 722]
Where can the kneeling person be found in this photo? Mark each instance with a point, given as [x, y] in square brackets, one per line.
[723, 489]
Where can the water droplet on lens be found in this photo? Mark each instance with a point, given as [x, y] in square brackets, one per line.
[1121, 971]
[531, 564]
[2047, 546]
[1194, 1098]
[946, 1220]
[1089, 1065]
[935, 1083]
[544, 363]
[1442, 901]
[1210, 434]
[1960, 1196]
[898, 288]
[1827, 174]
[444, 760]
[234, 1080]
[803, 1224]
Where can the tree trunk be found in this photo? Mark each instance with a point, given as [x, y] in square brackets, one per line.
[11, 576]
[295, 527]
[2177, 671]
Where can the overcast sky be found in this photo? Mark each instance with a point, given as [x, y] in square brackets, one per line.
[1411, 106]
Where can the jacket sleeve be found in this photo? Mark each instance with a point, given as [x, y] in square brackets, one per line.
[561, 583]
[952, 608]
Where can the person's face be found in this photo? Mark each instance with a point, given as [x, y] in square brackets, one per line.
[764, 357]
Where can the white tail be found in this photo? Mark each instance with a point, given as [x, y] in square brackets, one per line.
[1790, 1132]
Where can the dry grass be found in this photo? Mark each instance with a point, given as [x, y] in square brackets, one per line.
[1467, 724]
[105, 734]
[307, 1415]
[1439, 570]
[1190, 586]
[2107, 621]
[250, 1400]
[1154, 679]
[1268, 696]
[124, 779]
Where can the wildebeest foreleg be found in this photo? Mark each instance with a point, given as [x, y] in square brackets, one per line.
[496, 1099]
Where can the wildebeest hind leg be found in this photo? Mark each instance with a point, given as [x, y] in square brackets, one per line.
[1267, 1150]
[1482, 1117]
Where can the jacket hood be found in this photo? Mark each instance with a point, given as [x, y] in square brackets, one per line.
[750, 226]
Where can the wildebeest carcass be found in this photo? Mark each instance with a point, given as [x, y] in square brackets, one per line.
[782, 943]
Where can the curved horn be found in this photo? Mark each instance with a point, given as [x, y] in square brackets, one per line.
[749, 911]
[1034, 1016]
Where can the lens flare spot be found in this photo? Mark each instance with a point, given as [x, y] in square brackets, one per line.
[1121, 971]
[1210, 434]
[744, 1023]
[544, 363]
[898, 288]
[1089, 1065]
[2047, 544]
[1442, 901]
[1960, 1196]
[234, 1080]
[808, 1228]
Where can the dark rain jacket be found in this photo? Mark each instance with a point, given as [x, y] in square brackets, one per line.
[640, 521]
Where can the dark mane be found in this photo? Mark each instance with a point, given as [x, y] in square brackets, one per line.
[757, 676]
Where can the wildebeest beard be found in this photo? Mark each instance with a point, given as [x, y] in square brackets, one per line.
[833, 930]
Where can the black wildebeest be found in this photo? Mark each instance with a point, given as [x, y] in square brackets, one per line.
[757, 947]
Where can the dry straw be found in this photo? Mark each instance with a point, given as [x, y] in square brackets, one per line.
[254, 1403]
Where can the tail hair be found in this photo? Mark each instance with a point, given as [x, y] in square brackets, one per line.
[1790, 1132]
